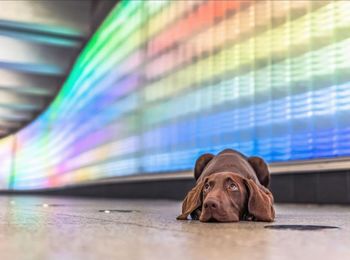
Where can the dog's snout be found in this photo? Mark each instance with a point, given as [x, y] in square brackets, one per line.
[211, 204]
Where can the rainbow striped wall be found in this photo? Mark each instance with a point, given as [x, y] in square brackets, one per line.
[161, 82]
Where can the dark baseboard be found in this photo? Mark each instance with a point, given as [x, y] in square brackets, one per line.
[321, 188]
[153, 189]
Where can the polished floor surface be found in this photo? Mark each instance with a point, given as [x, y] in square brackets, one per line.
[62, 228]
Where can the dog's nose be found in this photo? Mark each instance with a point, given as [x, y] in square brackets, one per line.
[211, 204]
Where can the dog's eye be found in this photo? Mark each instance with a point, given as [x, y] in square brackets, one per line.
[206, 187]
[233, 187]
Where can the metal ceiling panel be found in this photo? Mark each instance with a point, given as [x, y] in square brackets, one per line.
[39, 41]
[68, 17]
[30, 84]
[27, 54]
[8, 98]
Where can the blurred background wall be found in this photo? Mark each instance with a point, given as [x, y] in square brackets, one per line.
[161, 82]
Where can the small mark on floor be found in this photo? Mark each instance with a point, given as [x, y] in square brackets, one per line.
[117, 211]
[45, 205]
[300, 227]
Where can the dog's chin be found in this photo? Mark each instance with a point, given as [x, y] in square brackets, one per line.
[209, 217]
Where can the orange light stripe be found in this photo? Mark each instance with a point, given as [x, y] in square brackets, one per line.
[204, 16]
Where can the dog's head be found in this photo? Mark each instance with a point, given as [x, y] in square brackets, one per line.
[228, 197]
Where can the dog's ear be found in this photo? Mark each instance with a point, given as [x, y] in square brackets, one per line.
[192, 202]
[260, 202]
[261, 169]
[201, 162]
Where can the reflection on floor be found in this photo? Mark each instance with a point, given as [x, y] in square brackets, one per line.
[61, 228]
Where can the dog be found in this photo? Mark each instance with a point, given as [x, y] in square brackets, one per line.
[229, 187]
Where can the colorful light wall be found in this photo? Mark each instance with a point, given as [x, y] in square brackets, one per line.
[6, 161]
[161, 82]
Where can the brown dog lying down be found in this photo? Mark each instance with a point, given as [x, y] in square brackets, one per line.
[230, 187]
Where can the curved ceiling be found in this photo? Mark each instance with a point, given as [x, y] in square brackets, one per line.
[39, 41]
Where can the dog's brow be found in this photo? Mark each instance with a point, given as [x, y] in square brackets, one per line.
[211, 182]
[229, 179]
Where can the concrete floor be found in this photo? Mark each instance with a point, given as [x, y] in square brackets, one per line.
[61, 228]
